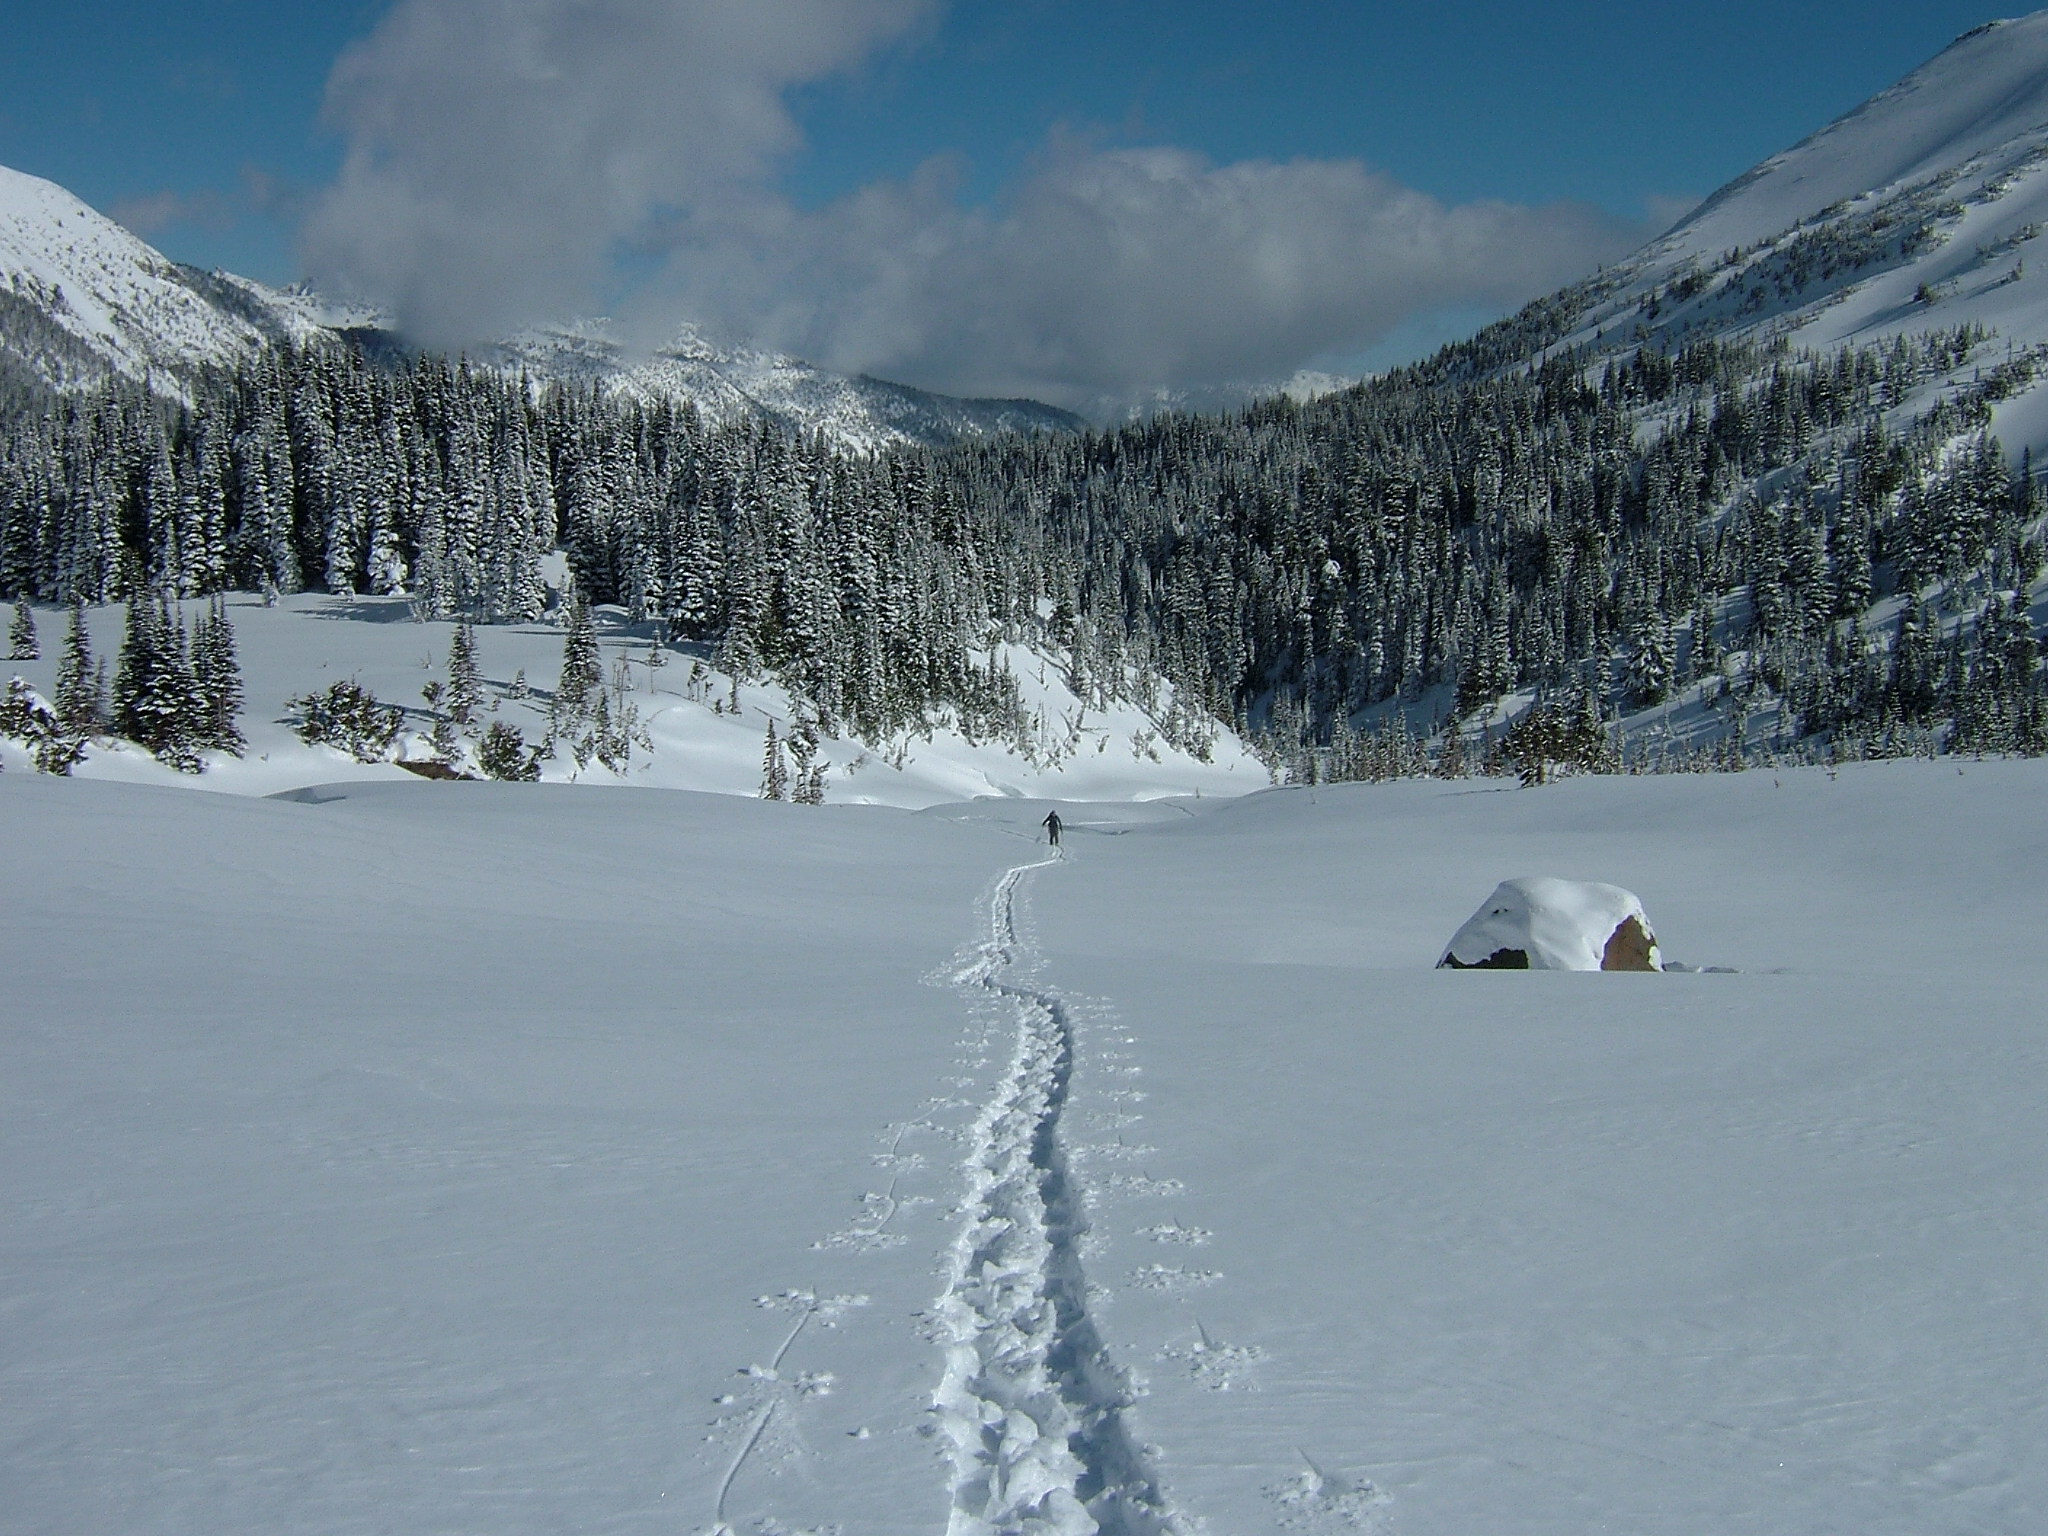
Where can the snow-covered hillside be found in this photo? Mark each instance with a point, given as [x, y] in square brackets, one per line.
[81, 297]
[1915, 212]
[426, 1157]
[728, 383]
[700, 731]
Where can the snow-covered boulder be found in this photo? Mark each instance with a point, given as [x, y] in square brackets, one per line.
[1542, 924]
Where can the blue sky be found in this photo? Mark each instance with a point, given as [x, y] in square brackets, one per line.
[201, 124]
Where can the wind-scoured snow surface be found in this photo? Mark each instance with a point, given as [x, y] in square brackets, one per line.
[502, 1159]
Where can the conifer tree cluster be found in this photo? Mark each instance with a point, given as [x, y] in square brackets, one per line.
[790, 766]
[178, 693]
[27, 718]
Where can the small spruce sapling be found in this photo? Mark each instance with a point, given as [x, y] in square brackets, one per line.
[348, 716]
[774, 772]
[441, 739]
[807, 783]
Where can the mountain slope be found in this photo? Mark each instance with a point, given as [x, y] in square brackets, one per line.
[1983, 92]
[1912, 214]
[82, 298]
[729, 383]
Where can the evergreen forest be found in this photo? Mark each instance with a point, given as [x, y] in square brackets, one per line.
[1835, 548]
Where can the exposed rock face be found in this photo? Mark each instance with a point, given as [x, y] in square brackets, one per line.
[1632, 948]
[1543, 924]
[1499, 960]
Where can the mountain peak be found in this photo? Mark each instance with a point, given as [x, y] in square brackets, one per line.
[81, 297]
[1986, 89]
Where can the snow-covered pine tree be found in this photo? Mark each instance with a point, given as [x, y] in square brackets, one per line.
[217, 681]
[465, 677]
[29, 720]
[348, 716]
[774, 771]
[81, 701]
[22, 644]
[582, 667]
[1651, 663]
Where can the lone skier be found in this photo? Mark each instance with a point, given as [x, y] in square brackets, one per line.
[1052, 827]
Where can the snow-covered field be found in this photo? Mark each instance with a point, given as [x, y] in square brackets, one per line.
[421, 1157]
[703, 733]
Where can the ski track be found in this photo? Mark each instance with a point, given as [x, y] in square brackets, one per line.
[1031, 1404]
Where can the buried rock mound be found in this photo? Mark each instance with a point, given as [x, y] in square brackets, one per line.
[1555, 925]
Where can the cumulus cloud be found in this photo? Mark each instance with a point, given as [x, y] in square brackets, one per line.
[505, 155]
[1108, 271]
[499, 152]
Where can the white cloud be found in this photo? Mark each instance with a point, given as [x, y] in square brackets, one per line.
[504, 154]
[1108, 271]
[499, 151]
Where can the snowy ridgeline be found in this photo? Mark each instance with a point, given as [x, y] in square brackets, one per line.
[528, 1159]
[83, 299]
[680, 724]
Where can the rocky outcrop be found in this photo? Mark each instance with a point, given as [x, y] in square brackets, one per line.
[1544, 924]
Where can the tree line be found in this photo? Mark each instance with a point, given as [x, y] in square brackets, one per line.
[1836, 536]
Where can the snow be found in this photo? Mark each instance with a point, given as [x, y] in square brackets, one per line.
[1959, 148]
[1985, 90]
[730, 383]
[1556, 925]
[707, 733]
[413, 1156]
[128, 304]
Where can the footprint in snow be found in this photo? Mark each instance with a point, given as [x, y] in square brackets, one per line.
[1142, 1184]
[1181, 1236]
[1171, 1277]
[1318, 1501]
[1213, 1364]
